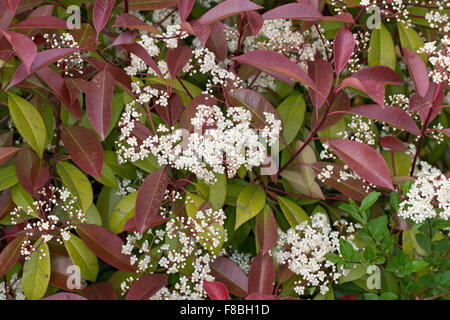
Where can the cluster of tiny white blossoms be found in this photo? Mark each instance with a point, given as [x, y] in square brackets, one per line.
[360, 129]
[127, 186]
[400, 101]
[362, 39]
[72, 63]
[185, 246]
[428, 197]
[439, 58]
[438, 20]
[42, 219]
[243, 260]
[15, 290]
[304, 247]
[345, 174]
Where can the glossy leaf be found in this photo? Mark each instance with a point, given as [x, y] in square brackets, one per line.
[261, 277]
[418, 71]
[226, 9]
[127, 20]
[10, 255]
[184, 8]
[294, 213]
[82, 257]
[250, 202]
[7, 153]
[177, 58]
[48, 22]
[228, 272]
[216, 290]
[343, 47]
[123, 211]
[102, 11]
[292, 113]
[295, 11]
[24, 47]
[382, 51]
[146, 286]
[100, 291]
[36, 273]
[321, 72]
[266, 230]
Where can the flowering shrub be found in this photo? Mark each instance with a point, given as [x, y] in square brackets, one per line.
[229, 149]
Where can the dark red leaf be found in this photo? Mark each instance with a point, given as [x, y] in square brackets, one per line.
[126, 20]
[48, 22]
[416, 103]
[296, 11]
[343, 46]
[177, 58]
[266, 230]
[99, 94]
[392, 115]
[382, 74]
[146, 286]
[6, 203]
[261, 277]
[101, 13]
[393, 143]
[150, 195]
[229, 273]
[100, 291]
[228, 8]
[10, 254]
[172, 112]
[201, 31]
[126, 37]
[276, 65]
[418, 71]
[355, 189]
[374, 90]
[184, 8]
[60, 262]
[363, 160]
[25, 48]
[6, 17]
[216, 290]
[105, 245]
[139, 51]
[255, 21]
[217, 41]
[31, 171]
[11, 5]
[42, 11]
[121, 78]
[64, 296]
[321, 72]
[84, 149]
[340, 102]
[7, 153]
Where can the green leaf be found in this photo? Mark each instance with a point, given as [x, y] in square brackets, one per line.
[82, 257]
[123, 211]
[388, 296]
[36, 272]
[410, 39]
[346, 249]
[417, 265]
[356, 273]
[395, 200]
[28, 121]
[368, 254]
[22, 198]
[378, 227]
[294, 214]
[250, 202]
[77, 183]
[218, 192]
[292, 114]
[8, 177]
[382, 51]
[107, 200]
[369, 200]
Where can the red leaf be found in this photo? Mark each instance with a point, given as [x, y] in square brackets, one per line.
[101, 13]
[60, 90]
[146, 286]
[149, 198]
[84, 149]
[296, 11]
[126, 20]
[139, 51]
[7, 153]
[343, 17]
[6, 17]
[392, 115]
[217, 41]
[201, 31]
[393, 143]
[351, 297]
[59, 277]
[105, 245]
[42, 59]
[6, 203]
[227, 9]
[216, 290]
[191, 110]
[416, 103]
[48, 22]
[382, 74]
[363, 160]
[276, 65]
[321, 72]
[255, 21]
[177, 58]
[126, 37]
[374, 90]
[184, 8]
[229, 273]
[256, 103]
[340, 102]
[121, 78]
[25, 48]
[11, 5]
[99, 94]
[343, 47]
[266, 230]
[64, 296]
[42, 11]
[100, 291]
[31, 171]
[418, 71]
[261, 277]
[259, 296]
[172, 112]
[10, 254]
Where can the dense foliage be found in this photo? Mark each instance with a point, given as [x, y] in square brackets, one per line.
[163, 149]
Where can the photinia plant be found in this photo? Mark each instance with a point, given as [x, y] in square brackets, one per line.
[224, 150]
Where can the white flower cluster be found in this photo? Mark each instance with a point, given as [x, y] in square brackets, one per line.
[219, 142]
[243, 260]
[438, 20]
[303, 249]
[15, 290]
[428, 197]
[362, 40]
[127, 186]
[360, 129]
[185, 246]
[439, 59]
[72, 63]
[43, 220]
